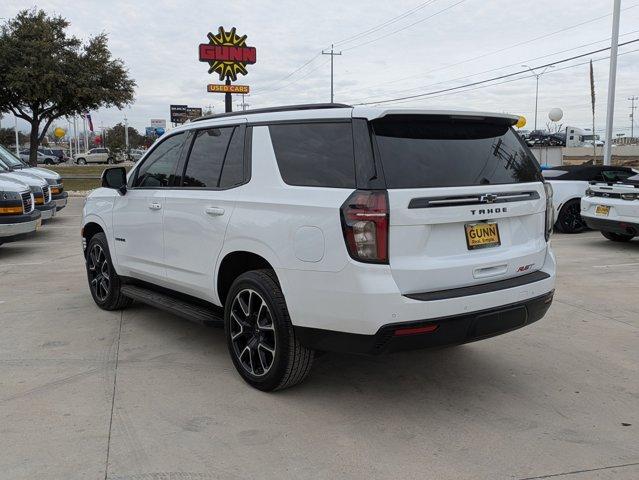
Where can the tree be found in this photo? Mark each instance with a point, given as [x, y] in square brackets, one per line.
[46, 74]
[8, 137]
[115, 140]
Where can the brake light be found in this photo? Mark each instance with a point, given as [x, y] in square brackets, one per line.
[550, 211]
[365, 225]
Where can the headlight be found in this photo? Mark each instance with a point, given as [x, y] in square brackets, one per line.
[630, 196]
[10, 203]
[590, 192]
[550, 211]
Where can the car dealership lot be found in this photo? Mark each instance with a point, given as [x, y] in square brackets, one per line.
[146, 395]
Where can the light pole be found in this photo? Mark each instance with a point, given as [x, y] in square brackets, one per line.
[612, 80]
[537, 75]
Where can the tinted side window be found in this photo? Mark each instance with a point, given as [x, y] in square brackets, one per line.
[233, 170]
[207, 157]
[315, 154]
[159, 166]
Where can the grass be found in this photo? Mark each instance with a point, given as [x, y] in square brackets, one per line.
[81, 184]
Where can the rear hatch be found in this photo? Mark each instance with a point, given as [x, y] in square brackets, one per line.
[467, 202]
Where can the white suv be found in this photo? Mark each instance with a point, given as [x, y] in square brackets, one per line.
[329, 228]
[95, 155]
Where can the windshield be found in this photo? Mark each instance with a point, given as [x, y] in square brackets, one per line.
[420, 151]
[9, 159]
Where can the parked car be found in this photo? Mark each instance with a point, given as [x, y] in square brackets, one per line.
[39, 188]
[56, 152]
[613, 208]
[18, 216]
[328, 228]
[136, 154]
[95, 155]
[569, 184]
[41, 157]
[11, 162]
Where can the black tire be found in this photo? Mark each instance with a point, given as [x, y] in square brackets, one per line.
[617, 237]
[569, 219]
[110, 160]
[290, 362]
[104, 283]
[81, 161]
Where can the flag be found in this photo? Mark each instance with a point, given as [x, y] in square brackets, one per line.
[87, 115]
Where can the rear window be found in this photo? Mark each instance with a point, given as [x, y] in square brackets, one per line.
[315, 154]
[418, 151]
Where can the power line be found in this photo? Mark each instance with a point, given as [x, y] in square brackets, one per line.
[408, 97]
[505, 66]
[292, 82]
[522, 78]
[525, 42]
[353, 37]
[385, 24]
[405, 27]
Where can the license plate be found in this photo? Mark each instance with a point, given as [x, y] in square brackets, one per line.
[602, 210]
[482, 235]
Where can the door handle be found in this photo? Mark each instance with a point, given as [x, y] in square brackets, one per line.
[155, 206]
[214, 211]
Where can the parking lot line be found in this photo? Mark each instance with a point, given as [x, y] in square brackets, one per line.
[616, 265]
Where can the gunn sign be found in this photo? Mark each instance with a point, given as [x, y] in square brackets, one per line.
[227, 54]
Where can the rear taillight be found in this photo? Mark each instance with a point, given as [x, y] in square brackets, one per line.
[365, 224]
[550, 211]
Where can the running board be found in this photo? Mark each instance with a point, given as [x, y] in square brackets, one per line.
[190, 311]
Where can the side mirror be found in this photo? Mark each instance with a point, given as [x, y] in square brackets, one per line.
[115, 178]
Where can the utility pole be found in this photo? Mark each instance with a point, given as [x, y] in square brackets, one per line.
[537, 75]
[632, 115]
[243, 104]
[332, 53]
[612, 79]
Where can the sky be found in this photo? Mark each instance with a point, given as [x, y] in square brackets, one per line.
[389, 50]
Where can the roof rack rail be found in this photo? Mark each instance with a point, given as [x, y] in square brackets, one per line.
[284, 108]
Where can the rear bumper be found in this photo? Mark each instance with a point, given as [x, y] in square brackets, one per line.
[362, 298]
[61, 200]
[614, 226]
[17, 227]
[451, 330]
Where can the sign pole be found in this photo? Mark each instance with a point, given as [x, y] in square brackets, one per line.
[228, 104]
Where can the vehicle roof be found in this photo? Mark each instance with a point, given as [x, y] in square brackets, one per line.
[328, 111]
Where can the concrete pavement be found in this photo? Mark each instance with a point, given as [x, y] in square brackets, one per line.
[141, 394]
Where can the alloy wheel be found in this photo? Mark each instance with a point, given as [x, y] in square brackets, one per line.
[252, 332]
[572, 221]
[99, 278]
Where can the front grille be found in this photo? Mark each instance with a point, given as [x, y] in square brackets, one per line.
[606, 194]
[46, 192]
[27, 202]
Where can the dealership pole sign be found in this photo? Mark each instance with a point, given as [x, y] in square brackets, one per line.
[228, 55]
